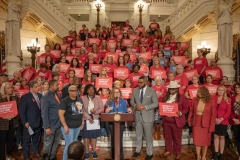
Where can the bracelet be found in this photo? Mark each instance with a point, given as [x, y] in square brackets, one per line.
[66, 127]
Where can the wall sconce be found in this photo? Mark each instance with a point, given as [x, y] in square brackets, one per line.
[205, 48]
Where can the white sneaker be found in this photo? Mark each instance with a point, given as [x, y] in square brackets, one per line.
[19, 146]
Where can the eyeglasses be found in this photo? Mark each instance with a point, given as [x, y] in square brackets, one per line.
[73, 90]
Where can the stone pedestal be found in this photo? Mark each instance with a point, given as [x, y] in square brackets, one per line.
[226, 64]
[13, 64]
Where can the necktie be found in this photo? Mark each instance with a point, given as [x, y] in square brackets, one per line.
[56, 97]
[141, 96]
[37, 100]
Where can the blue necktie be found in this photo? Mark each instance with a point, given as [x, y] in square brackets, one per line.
[141, 96]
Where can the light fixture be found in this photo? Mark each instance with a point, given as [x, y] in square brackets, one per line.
[140, 6]
[98, 5]
[205, 48]
[33, 48]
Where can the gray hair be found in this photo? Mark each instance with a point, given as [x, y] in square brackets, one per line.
[31, 84]
[158, 78]
[54, 67]
[70, 87]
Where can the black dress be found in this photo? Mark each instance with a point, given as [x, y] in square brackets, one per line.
[220, 129]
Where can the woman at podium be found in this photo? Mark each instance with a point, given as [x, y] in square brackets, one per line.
[116, 104]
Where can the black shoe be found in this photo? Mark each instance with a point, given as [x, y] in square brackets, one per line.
[215, 156]
[135, 155]
[149, 157]
[220, 157]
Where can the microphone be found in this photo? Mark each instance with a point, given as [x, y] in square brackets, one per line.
[117, 103]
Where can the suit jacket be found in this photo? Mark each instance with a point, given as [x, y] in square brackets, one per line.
[182, 107]
[232, 114]
[208, 116]
[29, 110]
[83, 36]
[150, 100]
[98, 107]
[49, 110]
[223, 111]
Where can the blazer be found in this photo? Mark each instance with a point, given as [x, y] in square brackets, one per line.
[232, 114]
[150, 100]
[4, 123]
[98, 106]
[49, 110]
[223, 111]
[182, 107]
[122, 107]
[29, 110]
[208, 116]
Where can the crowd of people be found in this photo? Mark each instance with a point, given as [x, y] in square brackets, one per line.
[118, 69]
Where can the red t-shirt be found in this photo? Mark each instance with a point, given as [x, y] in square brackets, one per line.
[69, 39]
[182, 79]
[216, 82]
[161, 92]
[133, 77]
[46, 75]
[199, 63]
[169, 47]
[110, 69]
[49, 54]
[87, 82]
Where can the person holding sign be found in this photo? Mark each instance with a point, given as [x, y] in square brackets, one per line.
[93, 106]
[181, 78]
[223, 110]
[133, 77]
[144, 101]
[8, 123]
[211, 87]
[173, 125]
[215, 71]
[154, 26]
[116, 104]
[70, 114]
[202, 116]
[30, 113]
[192, 89]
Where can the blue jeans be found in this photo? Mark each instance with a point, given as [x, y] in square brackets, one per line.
[69, 138]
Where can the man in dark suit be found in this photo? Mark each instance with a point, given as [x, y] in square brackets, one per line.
[30, 113]
[76, 82]
[144, 100]
[51, 123]
[85, 35]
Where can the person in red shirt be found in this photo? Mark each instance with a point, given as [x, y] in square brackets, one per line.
[179, 49]
[71, 75]
[70, 37]
[109, 65]
[75, 63]
[88, 77]
[133, 77]
[160, 89]
[82, 30]
[156, 66]
[154, 49]
[194, 85]
[135, 46]
[190, 65]
[181, 78]
[154, 26]
[200, 63]
[213, 66]
[43, 72]
[48, 53]
[16, 77]
[167, 45]
[208, 83]
[24, 83]
[229, 88]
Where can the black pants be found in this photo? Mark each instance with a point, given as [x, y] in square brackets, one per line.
[201, 79]
[111, 127]
[6, 137]
[236, 132]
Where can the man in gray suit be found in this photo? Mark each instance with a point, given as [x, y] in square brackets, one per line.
[144, 101]
[51, 123]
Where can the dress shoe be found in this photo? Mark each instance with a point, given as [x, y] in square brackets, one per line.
[178, 157]
[149, 157]
[135, 155]
[37, 156]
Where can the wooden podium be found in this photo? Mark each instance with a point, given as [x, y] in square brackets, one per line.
[117, 118]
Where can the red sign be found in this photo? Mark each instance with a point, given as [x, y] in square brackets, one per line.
[212, 89]
[154, 25]
[184, 45]
[64, 46]
[214, 72]
[40, 59]
[160, 73]
[112, 44]
[168, 109]
[143, 69]
[193, 93]
[119, 36]
[114, 56]
[104, 82]
[146, 55]
[93, 40]
[133, 57]
[191, 73]
[28, 73]
[79, 72]
[186, 61]
[121, 53]
[64, 67]
[179, 59]
[79, 44]
[132, 37]
[125, 28]
[121, 73]
[69, 58]
[141, 29]
[126, 93]
[126, 42]
[8, 108]
[21, 92]
[95, 68]
[56, 53]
